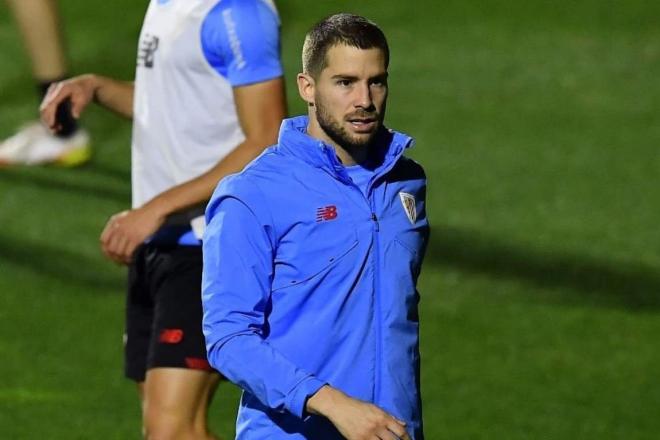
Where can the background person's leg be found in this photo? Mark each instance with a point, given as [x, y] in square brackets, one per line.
[39, 23]
[176, 402]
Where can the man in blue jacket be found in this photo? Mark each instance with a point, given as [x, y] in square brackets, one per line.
[311, 259]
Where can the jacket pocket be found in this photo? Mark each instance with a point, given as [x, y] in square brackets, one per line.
[308, 264]
[413, 245]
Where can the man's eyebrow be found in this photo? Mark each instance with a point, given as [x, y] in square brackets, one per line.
[383, 75]
[342, 76]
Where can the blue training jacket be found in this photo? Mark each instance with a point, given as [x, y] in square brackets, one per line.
[307, 281]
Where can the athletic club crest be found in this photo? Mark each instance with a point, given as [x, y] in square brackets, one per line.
[408, 202]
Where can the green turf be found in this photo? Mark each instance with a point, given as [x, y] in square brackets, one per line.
[538, 125]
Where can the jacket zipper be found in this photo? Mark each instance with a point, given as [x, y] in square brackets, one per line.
[376, 285]
[377, 307]
[375, 220]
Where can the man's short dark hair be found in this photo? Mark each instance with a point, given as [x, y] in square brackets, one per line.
[347, 29]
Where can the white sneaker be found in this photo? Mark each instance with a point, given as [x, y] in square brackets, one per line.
[35, 145]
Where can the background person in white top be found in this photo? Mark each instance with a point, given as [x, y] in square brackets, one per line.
[208, 97]
[39, 24]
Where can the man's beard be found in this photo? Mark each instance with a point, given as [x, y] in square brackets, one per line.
[338, 133]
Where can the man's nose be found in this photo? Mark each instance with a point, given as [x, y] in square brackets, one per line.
[363, 98]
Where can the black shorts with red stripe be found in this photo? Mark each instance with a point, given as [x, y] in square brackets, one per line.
[164, 310]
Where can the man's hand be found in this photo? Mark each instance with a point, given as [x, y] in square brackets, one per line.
[80, 90]
[355, 419]
[126, 230]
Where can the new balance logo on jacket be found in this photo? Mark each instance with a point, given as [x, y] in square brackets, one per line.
[326, 213]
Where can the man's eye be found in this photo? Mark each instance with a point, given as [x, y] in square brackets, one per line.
[343, 82]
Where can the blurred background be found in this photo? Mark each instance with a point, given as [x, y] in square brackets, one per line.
[538, 123]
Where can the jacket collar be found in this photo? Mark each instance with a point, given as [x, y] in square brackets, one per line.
[294, 140]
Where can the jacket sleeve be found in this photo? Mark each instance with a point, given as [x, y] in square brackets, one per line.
[236, 284]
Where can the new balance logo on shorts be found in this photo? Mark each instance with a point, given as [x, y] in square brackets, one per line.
[171, 336]
[198, 364]
[326, 213]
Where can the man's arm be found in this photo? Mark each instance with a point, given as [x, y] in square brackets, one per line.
[261, 108]
[236, 293]
[81, 90]
[354, 418]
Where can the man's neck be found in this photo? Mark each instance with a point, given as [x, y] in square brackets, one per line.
[348, 157]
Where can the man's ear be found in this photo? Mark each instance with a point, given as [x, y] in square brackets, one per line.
[306, 87]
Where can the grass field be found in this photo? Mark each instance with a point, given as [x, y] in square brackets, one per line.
[539, 127]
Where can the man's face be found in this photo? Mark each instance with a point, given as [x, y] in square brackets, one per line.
[350, 95]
